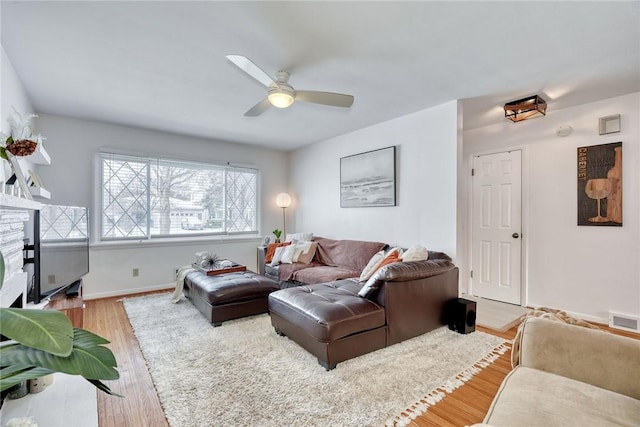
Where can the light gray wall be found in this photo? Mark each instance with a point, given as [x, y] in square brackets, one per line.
[584, 270]
[73, 145]
[426, 172]
[13, 94]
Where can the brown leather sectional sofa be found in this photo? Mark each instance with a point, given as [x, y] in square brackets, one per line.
[343, 319]
[333, 260]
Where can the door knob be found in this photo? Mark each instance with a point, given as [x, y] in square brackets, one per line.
[515, 235]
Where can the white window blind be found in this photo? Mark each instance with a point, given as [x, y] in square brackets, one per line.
[145, 197]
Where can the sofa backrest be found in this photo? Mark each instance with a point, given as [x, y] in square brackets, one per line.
[354, 254]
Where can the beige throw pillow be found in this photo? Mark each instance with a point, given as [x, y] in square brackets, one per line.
[415, 253]
[307, 254]
[370, 268]
[277, 256]
[291, 253]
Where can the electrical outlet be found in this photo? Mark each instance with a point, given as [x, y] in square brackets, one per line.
[51, 279]
[136, 272]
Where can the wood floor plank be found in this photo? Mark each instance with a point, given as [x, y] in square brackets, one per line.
[141, 406]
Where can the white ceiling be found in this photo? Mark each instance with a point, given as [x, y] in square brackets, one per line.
[162, 65]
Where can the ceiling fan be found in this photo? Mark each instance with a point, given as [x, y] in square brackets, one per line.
[281, 94]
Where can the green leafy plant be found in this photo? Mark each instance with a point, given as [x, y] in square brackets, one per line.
[277, 233]
[46, 342]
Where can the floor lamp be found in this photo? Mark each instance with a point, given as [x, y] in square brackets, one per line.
[283, 200]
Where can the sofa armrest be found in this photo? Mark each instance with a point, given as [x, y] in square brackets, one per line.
[414, 307]
[592, 356]
[412, 270]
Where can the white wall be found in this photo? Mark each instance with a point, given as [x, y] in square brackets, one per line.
[584, 270]
[12, 94]
[426, 172]
[73, 145]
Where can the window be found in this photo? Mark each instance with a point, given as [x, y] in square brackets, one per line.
[144, 197]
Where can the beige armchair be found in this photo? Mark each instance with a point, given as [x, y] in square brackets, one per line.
[570, 376]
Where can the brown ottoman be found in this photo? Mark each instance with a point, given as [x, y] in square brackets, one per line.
[229, 296]
[329, 320]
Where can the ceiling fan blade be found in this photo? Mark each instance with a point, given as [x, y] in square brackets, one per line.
[326, 98]
[259, 108]
[252, 69]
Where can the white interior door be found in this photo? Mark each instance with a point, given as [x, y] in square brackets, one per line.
[496, 227]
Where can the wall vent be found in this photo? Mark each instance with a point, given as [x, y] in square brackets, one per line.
[626, 322]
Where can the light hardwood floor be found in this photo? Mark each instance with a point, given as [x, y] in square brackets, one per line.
[141, 406]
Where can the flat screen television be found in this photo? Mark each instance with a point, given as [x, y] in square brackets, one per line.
[60, 250]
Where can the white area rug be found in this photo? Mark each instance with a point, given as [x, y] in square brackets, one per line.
[243, 373]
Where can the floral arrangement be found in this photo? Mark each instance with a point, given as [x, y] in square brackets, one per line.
[208, 260]
[21, 140]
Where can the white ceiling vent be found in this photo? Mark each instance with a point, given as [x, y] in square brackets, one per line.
[625, 322]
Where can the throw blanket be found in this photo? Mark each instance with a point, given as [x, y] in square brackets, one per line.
[545, 313]
[182, 273]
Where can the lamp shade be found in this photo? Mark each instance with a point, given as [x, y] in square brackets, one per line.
[525, 108]
[283, 200]
[280, 99]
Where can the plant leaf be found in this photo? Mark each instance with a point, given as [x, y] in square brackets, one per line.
[101, 386]
[88, 358]
[16, 374]
[47, 330]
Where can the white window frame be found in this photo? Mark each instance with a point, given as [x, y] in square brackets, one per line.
[98, 201]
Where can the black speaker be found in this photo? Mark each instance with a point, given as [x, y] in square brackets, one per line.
[461, 315]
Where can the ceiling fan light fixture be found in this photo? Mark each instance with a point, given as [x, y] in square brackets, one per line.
[281, 97]
[525, 108]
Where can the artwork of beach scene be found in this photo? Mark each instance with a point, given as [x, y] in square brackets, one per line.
[368, 179]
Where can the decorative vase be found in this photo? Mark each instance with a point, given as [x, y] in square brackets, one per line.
[19, 390]
[277, 240]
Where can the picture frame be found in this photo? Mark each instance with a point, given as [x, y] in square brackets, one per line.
[368, 179]
[600, 185]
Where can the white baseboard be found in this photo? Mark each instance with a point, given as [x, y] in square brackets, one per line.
[123, 292]
[588, 318]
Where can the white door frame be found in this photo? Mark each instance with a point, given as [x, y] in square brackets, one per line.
[524, 265]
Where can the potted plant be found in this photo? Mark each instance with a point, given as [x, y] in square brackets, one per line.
[45, 342]
[277, 233]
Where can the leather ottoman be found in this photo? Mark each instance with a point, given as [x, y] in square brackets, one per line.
[330, 320]
[229, 296]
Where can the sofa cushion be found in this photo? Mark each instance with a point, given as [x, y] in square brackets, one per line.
[351, 254]
[532, 397]
[323, 274]
[327, 311]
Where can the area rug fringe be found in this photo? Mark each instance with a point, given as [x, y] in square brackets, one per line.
[435, 396]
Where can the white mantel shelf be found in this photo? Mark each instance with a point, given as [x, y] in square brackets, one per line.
[9, 201]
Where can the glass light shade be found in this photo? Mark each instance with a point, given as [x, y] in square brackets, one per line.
[280, 99]
[283, 200]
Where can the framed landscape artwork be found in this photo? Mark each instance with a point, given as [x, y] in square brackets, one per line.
[600, 185]
[368, 179]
